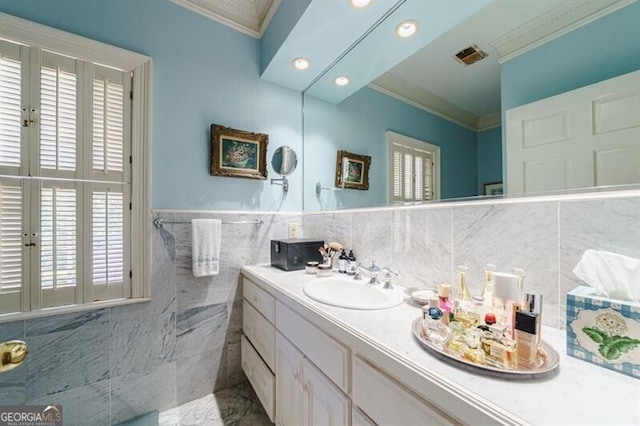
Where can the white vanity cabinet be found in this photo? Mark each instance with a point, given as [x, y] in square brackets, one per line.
[305, 396]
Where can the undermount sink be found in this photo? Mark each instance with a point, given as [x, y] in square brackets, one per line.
[345, 292]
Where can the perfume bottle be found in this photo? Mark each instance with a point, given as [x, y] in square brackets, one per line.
[457, 343]
[487, 289]
[533, 304]
[463, 312]
[473, 352]
[500, 353]
[436, 331]
[527, 339]
[444, 302]
[463, 291]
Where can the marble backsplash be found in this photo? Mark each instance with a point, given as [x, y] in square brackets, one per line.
[109, 365]
[543, 236]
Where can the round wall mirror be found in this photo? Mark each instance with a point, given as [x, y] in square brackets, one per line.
[284, 160]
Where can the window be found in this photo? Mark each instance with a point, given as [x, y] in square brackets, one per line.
[414, 169]
[73, 154]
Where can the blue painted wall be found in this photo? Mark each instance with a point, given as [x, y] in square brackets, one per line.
[204, 73]
[358, 125]
[603, 49]
[489, 157]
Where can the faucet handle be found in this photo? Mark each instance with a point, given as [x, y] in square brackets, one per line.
[374, 267]
[388, 275]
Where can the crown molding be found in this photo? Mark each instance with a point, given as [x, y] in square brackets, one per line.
[489, 121]
[410, 94]
[249, 17]
[552, 24]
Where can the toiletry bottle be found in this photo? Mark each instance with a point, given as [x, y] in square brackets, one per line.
[436, 331]
[463, 291]
[474, 352]
[457, 341]
[342, 262]
[533, 304]
[527, 339]
[487, 289]
[444, 302]
[463, 312]
[351, 262]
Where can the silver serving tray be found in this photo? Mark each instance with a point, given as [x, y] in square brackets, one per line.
[545, 364]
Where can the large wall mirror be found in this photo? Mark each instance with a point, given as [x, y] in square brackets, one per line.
[434, 98]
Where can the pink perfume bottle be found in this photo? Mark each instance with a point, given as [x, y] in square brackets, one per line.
[444, 301]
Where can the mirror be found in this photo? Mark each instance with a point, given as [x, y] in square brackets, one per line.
[283, 162]
[469, 159]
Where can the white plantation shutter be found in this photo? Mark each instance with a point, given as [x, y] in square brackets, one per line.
[110, 123]
[109, 224]
[11, 275]
[58, 116]
[413, 169]
[10, 107]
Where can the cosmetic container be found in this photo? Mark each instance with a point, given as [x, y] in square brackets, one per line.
[527, 339]
[311, 267]
[444, 301]
[437, 332]
[473, 352]
[324, 270]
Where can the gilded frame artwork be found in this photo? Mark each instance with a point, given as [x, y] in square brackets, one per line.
[357, 172]
[238, 153]
[494, 188]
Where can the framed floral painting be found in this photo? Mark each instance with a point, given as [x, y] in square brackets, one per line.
[238, 153]
[352, 170]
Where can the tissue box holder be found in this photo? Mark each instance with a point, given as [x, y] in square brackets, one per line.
[603, 331]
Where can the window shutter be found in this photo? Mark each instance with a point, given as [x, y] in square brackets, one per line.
[11, 274]
[10, 107]
[412, 172]
[396, 184]
[110, 106]
[109, 220]
[58, 118]
[58, 244]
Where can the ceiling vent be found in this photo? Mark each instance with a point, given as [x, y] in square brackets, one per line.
[470, 55]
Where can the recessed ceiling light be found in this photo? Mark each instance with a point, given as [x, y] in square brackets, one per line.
[300, 63]
[342, 80]
[360, 4]
[407, 28]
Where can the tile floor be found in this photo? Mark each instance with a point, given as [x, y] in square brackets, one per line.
[235, 406]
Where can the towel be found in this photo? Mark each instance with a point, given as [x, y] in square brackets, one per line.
[205, 246]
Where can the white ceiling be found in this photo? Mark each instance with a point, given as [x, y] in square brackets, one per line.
[431, 78]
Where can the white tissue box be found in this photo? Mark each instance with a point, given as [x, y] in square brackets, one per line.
[603, 331]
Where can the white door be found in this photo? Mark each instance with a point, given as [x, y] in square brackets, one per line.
[323, 404]
[582, 138]
[288, 383]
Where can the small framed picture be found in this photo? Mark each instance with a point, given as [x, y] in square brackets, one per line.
[352, 170]
[494, 188]
[237, 153]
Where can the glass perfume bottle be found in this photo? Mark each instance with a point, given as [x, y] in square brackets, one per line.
[444, 301]
[436, 331]
[527, 339]
[487, 289]
[500, 353]
[463, 312]
[474, 352]
[463, 291]
[457, 338]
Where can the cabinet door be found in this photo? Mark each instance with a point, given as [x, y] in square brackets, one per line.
[324, 403]
[288, 383]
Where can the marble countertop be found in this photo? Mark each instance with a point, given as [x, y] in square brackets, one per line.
[575, 393]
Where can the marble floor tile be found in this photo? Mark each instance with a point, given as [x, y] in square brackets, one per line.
[235, 406]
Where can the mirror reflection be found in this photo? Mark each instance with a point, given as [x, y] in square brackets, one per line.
[435, 128]
[284, 160]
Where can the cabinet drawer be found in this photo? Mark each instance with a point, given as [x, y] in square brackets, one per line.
[386, 401]
[261, 378]
[260, 299]
[260, 332]
[330, 356]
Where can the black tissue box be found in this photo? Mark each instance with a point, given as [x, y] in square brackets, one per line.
[293, 255]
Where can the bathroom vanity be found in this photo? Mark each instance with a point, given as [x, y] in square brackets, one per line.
[311, 363]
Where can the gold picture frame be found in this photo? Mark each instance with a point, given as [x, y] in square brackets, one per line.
[238, 153]
[356, 170]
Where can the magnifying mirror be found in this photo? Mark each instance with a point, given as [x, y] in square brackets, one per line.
[284, 162]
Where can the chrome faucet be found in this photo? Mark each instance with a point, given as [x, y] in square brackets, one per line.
[371, 272]
[388, 275]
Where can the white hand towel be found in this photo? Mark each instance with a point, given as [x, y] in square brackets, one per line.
[205, 246]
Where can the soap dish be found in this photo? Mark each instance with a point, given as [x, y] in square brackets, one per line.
[421, 295]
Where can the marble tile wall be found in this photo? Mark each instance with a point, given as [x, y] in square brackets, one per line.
[108, 365]
[543, 237]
